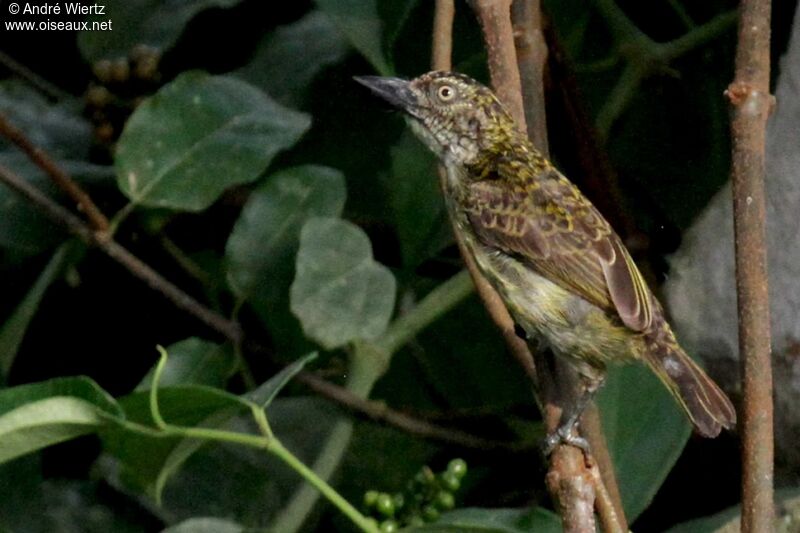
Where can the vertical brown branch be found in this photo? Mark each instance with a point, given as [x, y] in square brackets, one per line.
[751, 102]
[495, 20]
[442, 49]
[526, 16]
[441, 54]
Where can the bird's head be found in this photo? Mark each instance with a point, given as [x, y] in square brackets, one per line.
[459, 119]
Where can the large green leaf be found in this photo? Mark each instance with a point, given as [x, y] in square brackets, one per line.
[262, 245]
[13, 329]
[194, 361]
[152, 22]
[288, 59]
[646, 432]
[262, 395]
[198, 136]
[340, 293]
[38, 415]
[244, 482]
[141, 456]
[474, 520]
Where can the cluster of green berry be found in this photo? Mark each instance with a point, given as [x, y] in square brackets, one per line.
[427, 495]
[118, 87]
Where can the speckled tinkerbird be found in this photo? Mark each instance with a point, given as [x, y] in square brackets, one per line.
[563, 273]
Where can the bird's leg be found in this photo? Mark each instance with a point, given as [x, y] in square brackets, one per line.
[566, 432]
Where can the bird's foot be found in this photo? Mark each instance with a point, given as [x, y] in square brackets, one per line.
[564, 435]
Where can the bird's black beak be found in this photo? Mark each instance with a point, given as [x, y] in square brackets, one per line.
[395, 91]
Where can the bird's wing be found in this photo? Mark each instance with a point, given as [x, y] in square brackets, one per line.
[556, 231]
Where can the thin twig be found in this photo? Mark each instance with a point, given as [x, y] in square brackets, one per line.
[63, 180]
[380, 412]
[114, 250]
[751, 103]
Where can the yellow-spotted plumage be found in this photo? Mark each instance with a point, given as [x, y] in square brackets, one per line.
[560, 268]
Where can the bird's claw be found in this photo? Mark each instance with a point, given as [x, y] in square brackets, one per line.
[564, 435]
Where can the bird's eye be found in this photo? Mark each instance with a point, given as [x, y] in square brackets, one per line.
[446, 93]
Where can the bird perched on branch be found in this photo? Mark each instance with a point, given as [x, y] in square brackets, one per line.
[563, 273]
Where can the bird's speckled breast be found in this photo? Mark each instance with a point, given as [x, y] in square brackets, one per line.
[570, 325]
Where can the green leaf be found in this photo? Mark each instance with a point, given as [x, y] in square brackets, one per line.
[267, 391]
[416, 201]
[244, 482]
[475, 520]
[152, 22]
[340, 293]
[262, 395]
[206, 525]
[646, 431]
[287, 59]
[360, 22]
[262, 245]
[199, 135]
[141, 452]
[194, 361]
[38, 415]
[13, 330]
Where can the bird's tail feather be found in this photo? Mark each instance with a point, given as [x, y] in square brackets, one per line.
[707, 406]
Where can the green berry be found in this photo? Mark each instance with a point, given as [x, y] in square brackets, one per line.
[384, 504]
[457, 467]
[444, 500]
[450, 481]
[425, 476]
[370, 497]
[430, 513]
[389, 526]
